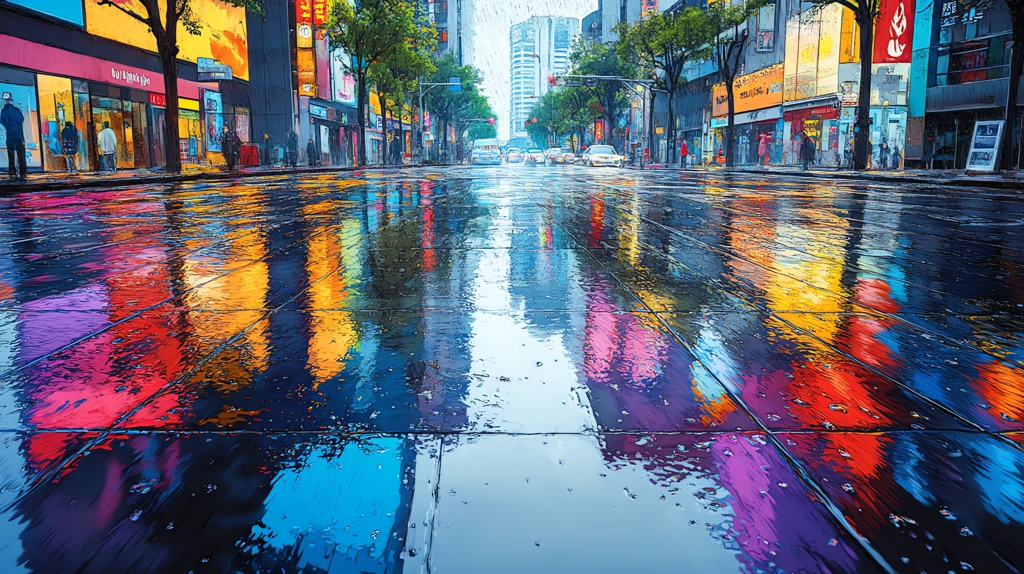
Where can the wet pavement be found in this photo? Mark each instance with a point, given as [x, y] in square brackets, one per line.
[512, 370]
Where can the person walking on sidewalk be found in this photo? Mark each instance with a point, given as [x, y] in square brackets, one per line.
[69, 143]
[684, 153]
[13, 121]
[108, 148]
[762, 148]
[807, 150]
[266, 150]
[883, 156]
[293, 148]
[311, 153]
[230, 146]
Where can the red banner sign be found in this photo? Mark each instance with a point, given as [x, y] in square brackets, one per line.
[894, 32]
[319, 12]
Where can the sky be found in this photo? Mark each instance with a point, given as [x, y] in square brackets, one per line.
[486, 36]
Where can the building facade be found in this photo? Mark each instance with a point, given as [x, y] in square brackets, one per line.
[540, 48]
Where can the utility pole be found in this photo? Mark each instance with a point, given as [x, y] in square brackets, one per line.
[452, 83]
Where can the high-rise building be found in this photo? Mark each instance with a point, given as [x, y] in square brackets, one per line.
[446, 16]
[540, 48]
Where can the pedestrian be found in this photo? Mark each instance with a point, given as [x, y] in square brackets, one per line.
[108, 148]
[809, 148]
[69, 141]
[895, 165]
[266, 150]
[311, 153]
[229, 147]
[762, 148]
[13, 121]
[883, 156]
[684, 152]
[293, 148]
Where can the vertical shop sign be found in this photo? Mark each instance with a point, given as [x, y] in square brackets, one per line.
[893, 32]
[319, 12]
[766, 28]
[304, 23]
[306, 63]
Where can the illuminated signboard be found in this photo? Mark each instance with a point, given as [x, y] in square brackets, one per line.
[67, 10]
[894, 30]
[762, 89]
[222, 31]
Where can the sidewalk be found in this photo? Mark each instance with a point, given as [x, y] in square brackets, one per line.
[1010, 180]
[62, 180]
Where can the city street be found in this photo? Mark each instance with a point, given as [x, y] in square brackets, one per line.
[512, 369]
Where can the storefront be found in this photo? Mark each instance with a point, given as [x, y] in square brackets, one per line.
[757, 100]
[53, 86]
[820, 122]
[332, 131]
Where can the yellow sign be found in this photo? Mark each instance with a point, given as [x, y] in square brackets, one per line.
[659, 130]
[374, 102]
[306, 62]
[762, 89]
[222, 31]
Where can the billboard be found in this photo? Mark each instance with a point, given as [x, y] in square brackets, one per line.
[343, 84]
[305, 61]
[222, 34]
[894, 30]
[210, 70]
[766, 28]
[762, 89]
[67, 10]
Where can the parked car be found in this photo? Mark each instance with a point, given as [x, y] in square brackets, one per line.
[485, 152]
[568, 156]
[597, 155]
[514, 156]
[534, 156]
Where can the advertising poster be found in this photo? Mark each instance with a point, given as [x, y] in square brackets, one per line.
[343, 85]
[213, 113]
[807, 57]
[319, 12]
[790, 65]
[829, 31]
[762, 89]
[766, 28]
[648, 7]
[67, 10]
[894, 30]
[222, 31]
[985, 146]
[323, 66]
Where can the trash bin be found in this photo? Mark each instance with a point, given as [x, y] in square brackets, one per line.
[250, 155]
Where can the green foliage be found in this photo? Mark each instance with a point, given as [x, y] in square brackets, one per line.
[451, 106]
[482, 130]
[371, 32]
[594, 58]
[661, 44]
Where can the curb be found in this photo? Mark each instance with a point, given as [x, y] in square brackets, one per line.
[9, 188]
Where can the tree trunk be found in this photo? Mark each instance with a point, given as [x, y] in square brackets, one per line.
[650, 124]
[861, 150]
[172, 154]
[730, 117]
[670, 132]
[361, 112]
[1016, 56]
[401, 136]
[384, 128]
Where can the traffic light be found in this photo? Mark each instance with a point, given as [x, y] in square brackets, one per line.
[490, 121]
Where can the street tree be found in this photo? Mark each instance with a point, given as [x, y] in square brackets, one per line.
[547, 119]
[864, 13]
[594, 58]
[167, 19]
[448, 106]
[395, 74]
[581, 109]
[661, 45]
[369, 32]
[727, 37]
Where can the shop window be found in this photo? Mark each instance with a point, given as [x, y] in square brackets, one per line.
[56, 106]
[24, 98]
[971, 61]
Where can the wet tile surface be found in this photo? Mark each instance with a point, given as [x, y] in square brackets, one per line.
[512, 370]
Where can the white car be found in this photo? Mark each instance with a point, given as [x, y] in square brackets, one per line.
[514, 156]
[597, 155]
[485, 152]
[534, 156]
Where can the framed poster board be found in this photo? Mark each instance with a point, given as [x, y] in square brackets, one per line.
[984, 155]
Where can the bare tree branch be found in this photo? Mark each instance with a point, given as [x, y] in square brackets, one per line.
[131, 13]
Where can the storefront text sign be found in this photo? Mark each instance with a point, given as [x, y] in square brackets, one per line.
[50, 60]
[762, 89]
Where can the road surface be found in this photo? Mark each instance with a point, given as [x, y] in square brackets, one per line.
[512, 369]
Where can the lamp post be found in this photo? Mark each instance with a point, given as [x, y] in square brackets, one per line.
[454, 84]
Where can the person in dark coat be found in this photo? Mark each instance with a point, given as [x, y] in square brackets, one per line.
[807, 149]
[293, 148]
[13, 121]
[311, 153]
[69, 144]
[267, 160]
[228, 147]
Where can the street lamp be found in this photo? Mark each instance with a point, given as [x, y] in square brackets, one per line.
[454, 84]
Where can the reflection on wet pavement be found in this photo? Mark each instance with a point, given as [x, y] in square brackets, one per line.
[512, 371]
